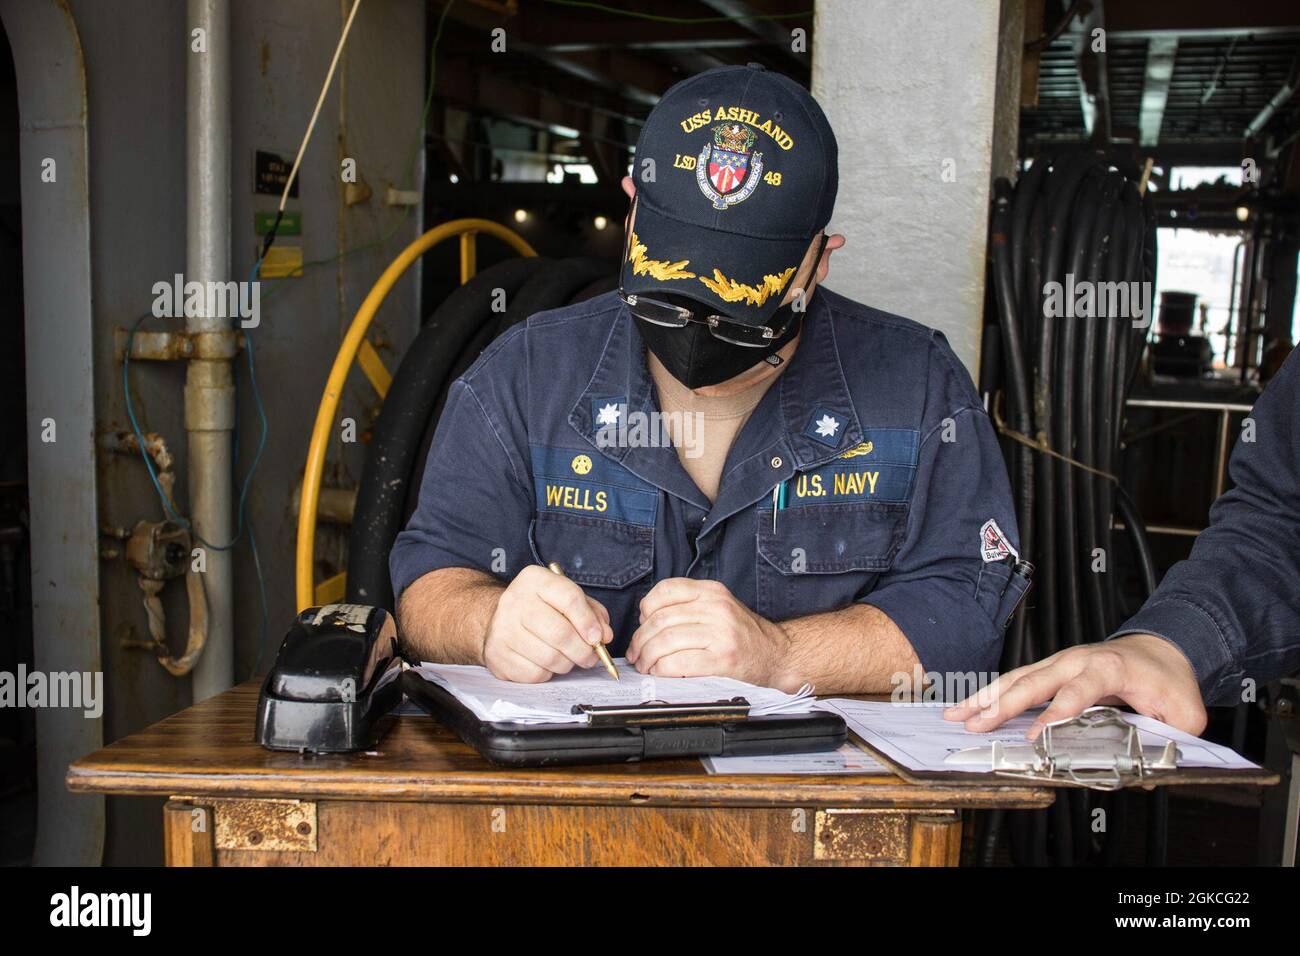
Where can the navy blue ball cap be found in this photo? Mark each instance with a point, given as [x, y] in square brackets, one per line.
[745, 175]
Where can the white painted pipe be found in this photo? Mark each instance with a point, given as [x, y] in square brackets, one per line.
[209, 388]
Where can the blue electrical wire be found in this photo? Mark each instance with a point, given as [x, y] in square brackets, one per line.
[257, 395]
[257, 458]
[168, 507]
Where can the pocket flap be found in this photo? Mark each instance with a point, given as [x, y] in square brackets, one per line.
[833, 538]
[594, 552]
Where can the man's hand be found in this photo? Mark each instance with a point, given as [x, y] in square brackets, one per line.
[693, 628]
[1146, 672]
[544, 625]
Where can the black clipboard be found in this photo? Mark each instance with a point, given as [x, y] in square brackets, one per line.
[556, 745]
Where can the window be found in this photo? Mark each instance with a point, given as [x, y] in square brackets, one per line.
[1189, 177]
[1192, 260]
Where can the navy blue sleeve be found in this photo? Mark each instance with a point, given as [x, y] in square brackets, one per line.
[475, 504]
[1233, 606]
[948, 600]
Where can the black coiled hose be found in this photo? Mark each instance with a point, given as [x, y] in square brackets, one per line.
[1077, 220]
[446, 345]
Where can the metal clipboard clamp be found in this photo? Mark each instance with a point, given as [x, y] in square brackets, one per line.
[661, 712]
[1099, 750]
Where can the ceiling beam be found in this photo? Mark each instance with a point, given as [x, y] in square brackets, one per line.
[750, 14]
[635, 78]
[639, 79]
[695, 61]
[674, 22]
[1090, 69]
[462, 84]
[1162, 52]
[1208, 18]
[1278, 100]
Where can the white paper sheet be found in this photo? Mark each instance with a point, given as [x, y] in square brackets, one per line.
[850, 758]
[917, 736]
[552, 702]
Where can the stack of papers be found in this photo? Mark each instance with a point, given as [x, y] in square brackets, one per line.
[491, 699]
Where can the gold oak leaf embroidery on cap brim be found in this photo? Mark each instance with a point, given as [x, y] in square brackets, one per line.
[729, 290]
[660, 269]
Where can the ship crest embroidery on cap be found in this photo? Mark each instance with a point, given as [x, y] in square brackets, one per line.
[728, 169]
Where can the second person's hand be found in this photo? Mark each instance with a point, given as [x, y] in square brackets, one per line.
[1147, 672]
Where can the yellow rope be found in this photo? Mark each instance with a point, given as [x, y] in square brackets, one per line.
[1039, 444]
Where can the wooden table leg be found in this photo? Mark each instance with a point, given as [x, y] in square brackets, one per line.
[187, 834]
[936, 839]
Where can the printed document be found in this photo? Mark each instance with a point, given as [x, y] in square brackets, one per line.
[492, 699]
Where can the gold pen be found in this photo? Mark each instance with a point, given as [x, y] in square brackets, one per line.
[599, 645]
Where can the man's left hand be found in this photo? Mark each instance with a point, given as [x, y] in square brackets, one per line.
[693, 628]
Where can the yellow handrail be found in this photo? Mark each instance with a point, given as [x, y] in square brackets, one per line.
[467, 229]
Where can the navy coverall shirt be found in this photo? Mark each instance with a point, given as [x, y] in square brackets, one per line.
[1234, 605]
[895, 491]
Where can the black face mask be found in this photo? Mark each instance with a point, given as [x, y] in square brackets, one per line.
[694, 357]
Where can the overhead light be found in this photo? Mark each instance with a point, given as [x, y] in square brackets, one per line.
[521, 215]
[454, 178]
[600, 222]
[1243, 214]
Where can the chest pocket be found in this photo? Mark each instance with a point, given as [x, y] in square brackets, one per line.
[594, 552]
[823, 557]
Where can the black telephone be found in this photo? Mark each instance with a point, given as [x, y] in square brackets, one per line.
[334, 676]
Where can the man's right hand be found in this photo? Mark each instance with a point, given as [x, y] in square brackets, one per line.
[544, 625]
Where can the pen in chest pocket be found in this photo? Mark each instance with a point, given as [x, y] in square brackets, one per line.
[778, 502]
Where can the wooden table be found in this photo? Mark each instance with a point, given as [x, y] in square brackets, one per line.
[425, 798]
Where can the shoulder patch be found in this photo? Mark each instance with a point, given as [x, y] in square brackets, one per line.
[994, 545]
